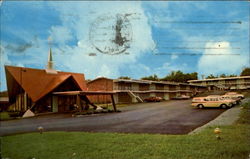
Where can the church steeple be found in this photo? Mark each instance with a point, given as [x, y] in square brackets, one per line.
[50, 60]
[50, 65]
[50, 55]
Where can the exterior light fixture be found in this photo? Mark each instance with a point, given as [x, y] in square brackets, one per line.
[40, 129]
[217, 131]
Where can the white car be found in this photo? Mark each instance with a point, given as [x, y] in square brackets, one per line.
[235, 94]
[201, 102]
[227, 98]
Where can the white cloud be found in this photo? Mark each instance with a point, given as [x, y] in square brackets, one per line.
[173, 57]
[216, 61]
[168, 67]
[75, 28]
[60, 34]
[77, 57]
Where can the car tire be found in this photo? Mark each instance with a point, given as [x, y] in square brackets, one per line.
[200, 106]
[223, 106]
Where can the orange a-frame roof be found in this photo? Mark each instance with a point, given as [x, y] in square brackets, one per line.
[37, 83]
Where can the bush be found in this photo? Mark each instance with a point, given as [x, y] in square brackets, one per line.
[4, 116]
[15, 114]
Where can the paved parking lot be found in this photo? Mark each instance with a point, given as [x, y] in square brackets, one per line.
[170, 117]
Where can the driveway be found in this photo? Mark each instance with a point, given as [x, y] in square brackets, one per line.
[170, 117]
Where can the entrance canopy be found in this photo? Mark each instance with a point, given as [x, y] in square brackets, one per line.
[87, 93]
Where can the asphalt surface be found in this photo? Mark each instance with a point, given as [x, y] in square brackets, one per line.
[170, 117]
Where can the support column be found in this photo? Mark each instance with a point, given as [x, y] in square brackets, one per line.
[166, 96]
[78, 102]
[25, 101]
[113, 102]
[116, 99]
[54, 103]
[178, 88]
[134, 100]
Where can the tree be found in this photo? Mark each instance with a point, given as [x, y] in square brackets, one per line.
[124, 77]
[233, 75]
[223, 75]
[211, 76]
[151, 78]
[245, 72]
[191, 76]
[178, 76]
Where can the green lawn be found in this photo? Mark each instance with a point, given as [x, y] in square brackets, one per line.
[235, 144]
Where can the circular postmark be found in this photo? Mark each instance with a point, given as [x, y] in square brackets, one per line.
[111, 34]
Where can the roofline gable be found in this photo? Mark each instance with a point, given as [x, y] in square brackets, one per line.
[37, 83]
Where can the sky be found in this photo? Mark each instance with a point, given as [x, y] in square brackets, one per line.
[208, 37]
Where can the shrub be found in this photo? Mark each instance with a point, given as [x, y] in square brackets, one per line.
[4, 116]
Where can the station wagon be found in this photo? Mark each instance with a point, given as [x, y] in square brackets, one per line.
[201, 102]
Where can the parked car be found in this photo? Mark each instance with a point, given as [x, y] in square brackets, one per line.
[153, 99]
[228, 97]
[201, 102]
[235, 94]
[225, 97]
[182, 97]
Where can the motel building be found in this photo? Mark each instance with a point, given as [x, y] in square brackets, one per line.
[133, 91]
[229, 83]
[35, 91]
